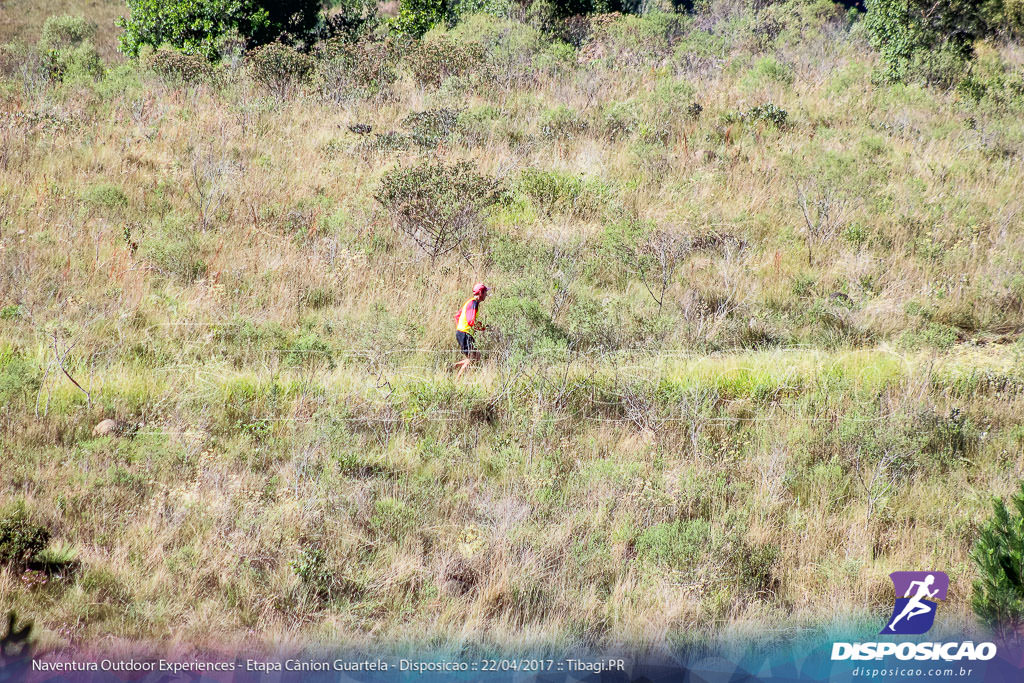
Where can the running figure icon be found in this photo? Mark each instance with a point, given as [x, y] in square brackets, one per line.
[914, 612]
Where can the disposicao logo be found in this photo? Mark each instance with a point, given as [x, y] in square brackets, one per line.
[914, 613]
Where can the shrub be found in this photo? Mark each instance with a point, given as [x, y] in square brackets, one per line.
[435, 59]
[998, 596]
[106, 196]
[519, 325]
[351, 70]
[63, 32]
[554, 192]
[351, 20]
[767, 113]
[511, 48]
[927, 39]
[279, 67]
[562, 123]
[20, 539]
[674, 544]
[392, 518]
[71, 63]
[19, 377]
[178, 67]
[431, 127]
[201, 26]
[416, 17]
[318, 577]
[439, 206]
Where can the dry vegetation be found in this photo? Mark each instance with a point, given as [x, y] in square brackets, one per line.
[754, 337]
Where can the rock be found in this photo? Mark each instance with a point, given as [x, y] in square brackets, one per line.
[841, 298]
[106, 428]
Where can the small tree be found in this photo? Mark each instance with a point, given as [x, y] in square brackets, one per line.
[200, 26]
[652, 253]
[929, 39]
[20, 539]
[440, 207]
[998, 597]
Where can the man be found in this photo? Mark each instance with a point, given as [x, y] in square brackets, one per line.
[465, 323]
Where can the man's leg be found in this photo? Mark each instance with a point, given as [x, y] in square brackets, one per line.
[464, 363]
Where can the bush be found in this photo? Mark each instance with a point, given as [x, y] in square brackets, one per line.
[519, 325]
[925, 39]
[353, 70]
[201, 26]
[998, 596]
[675, 544]
[66, 44]
[20, 539]
[416, 17]
[561, 193]
[562, 123]
[392, 518]
[767, 113]
[351, 20]
[19, 377]
[63, 32]
[437, 58]
[439, 206]
[428, 128]
[178, 67]
[279, 68]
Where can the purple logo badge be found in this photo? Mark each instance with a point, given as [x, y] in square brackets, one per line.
[916, 595]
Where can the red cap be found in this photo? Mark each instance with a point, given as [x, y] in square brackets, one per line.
[479, 288]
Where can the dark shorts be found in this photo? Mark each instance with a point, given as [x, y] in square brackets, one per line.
[466, 342]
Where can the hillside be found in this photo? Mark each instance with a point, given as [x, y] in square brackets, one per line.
[754, 334]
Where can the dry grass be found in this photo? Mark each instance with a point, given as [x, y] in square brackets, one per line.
[759, 450]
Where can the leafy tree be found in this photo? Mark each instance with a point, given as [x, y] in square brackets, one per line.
[20, 539]
[928, 39]
[440, 207]
[200, 26]
[998, 597]
[416, 17]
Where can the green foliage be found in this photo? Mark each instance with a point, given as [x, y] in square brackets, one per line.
[562, 123]
[346, 70]
[12, 312]
[554, 192]
[312, 569]
[351, 20]
[675, 544]
[998, 596]
[201, 26]
[19, 377]
[179, 68]
[64, 32]
[107, 196]
[175, 251]
[20, 539]
[279, 67]
[416, 17]
[440, 206]
[431, 127]
[931, 40]
[437, 58]
[518, 325]
[766, 113]
[392, 518]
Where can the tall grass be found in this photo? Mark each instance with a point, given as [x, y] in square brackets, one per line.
[762, 445]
